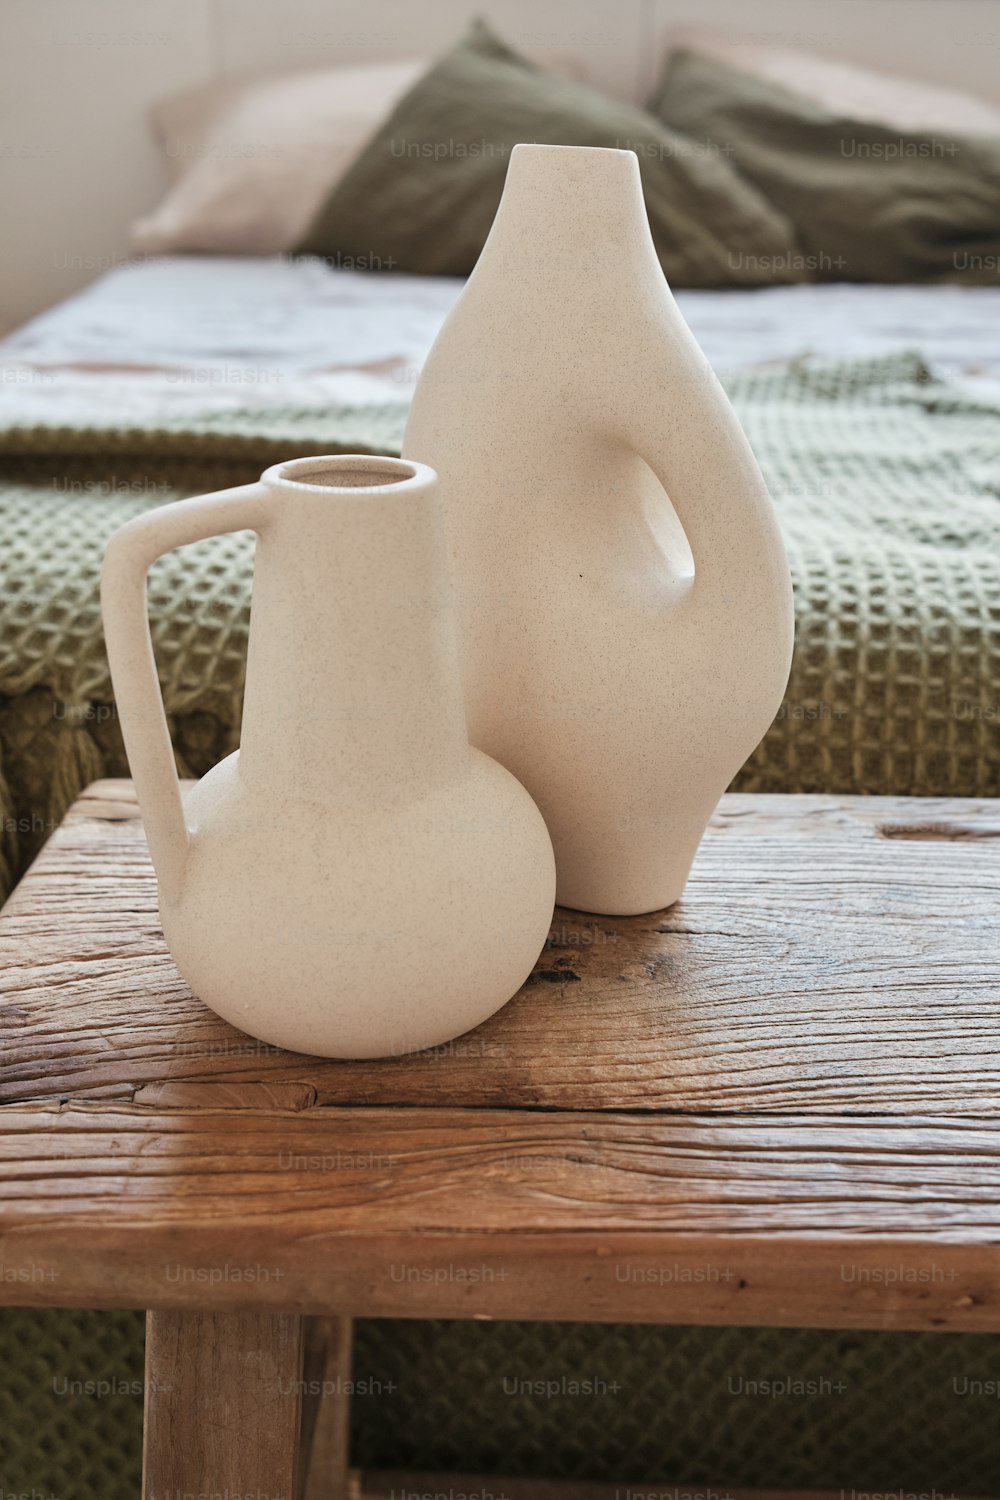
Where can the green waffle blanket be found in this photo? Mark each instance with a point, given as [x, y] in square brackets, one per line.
[886, 483]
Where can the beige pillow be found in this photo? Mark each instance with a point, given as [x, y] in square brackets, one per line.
[846, 90]
[251, 161]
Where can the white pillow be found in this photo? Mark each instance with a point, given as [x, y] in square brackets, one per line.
[251, 161]
[845, 89]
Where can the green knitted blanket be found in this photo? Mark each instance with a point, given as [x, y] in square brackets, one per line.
[887, 484]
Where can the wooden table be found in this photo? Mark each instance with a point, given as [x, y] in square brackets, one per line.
[747, 1109]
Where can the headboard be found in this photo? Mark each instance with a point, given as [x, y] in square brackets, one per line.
[77, 162]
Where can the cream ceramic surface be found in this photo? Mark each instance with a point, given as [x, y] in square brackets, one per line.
[355, 881]
[622, 655]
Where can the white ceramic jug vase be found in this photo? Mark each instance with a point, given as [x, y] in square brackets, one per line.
[354, 881]
[622, 652]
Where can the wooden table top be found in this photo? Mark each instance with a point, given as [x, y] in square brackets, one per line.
[776, 1103]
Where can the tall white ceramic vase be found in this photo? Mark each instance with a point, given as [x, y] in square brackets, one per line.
[625, 607]
[354, 881]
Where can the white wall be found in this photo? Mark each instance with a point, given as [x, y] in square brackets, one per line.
[76, 159]
[77, 162]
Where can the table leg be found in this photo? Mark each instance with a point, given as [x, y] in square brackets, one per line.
[326, 1409]
[223, 1404]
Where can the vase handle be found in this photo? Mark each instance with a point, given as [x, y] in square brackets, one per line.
[127, 560]
[703, 459]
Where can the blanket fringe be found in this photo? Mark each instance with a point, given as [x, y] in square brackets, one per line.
[77, 761]
[8, 837]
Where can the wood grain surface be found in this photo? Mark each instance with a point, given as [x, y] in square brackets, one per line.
[528, 1214]
[830, 955]
[223, 1398]
[326, 1410]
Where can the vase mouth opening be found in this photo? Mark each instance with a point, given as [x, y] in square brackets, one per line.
[615, 161]
[359, 472]
[548, 148]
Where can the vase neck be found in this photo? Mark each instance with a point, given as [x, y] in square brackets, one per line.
[571, 207]
[352, 677]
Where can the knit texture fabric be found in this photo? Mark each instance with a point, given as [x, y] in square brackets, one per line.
[886, 483]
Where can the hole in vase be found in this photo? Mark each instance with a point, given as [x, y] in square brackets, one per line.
[664, 524]
[347, 472]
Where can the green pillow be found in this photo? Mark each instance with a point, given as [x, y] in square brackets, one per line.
[868, 203]
[422, 195]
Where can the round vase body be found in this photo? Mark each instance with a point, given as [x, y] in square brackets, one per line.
[348, 929]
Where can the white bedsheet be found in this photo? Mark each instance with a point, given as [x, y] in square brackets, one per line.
[185, 332]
